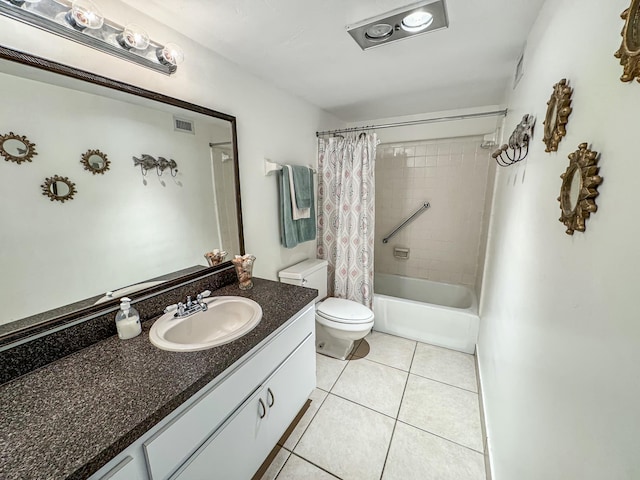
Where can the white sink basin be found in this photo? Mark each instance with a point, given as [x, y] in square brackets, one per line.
[227, 319]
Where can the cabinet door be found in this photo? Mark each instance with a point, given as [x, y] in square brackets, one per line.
[237, 450]
[240, 446]
[125, 470]
[289, 388]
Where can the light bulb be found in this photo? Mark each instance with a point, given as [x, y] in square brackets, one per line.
[170, 54]
[133, 36]
[84, 14]
[417, 21]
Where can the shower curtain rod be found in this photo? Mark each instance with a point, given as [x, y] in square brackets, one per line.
[495, 113]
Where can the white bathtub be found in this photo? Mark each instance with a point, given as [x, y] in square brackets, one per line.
[430, 312]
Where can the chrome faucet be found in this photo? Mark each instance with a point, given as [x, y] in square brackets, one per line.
[189, 307]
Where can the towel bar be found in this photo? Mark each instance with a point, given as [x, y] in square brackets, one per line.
[270, 167]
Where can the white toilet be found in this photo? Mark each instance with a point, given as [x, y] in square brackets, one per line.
[339, 322]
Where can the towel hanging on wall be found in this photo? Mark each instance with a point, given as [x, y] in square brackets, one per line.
[293, 232]
[300, 202]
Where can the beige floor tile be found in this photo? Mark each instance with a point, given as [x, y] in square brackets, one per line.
[382, 348]
[415, 454]
[346, 439]
[276, 465]
[444, 410]
[298, 469]
[448, 366]
[327, 371]
[317, 397]
[373, 385]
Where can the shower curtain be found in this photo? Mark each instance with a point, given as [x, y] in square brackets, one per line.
[346, 196]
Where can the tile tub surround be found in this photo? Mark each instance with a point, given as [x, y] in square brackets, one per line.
[69, 418]
[34, 354]
[452, 175]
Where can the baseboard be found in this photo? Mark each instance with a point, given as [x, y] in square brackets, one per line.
[483, 424]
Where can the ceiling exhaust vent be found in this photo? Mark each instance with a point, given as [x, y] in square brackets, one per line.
[416, 19]
[184, 125]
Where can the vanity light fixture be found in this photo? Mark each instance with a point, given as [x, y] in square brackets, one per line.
[415, 19]
[82, 22]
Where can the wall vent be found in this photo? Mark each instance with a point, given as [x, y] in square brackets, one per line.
[184, 125]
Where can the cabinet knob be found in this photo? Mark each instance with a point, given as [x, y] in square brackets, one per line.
[262, 413]
[271, 399]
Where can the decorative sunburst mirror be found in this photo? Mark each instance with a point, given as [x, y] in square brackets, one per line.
[95, 161]
[629, 52]
[58, 188]
[558, 111]
[579, 189]
[16, 148]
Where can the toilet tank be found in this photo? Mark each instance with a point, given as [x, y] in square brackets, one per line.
[309, 273]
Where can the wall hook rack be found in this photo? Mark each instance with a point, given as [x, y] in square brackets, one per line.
[518, 143]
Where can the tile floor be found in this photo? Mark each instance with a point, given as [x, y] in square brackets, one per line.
[397, 409]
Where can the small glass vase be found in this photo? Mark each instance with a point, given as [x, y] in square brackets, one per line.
[244, 269]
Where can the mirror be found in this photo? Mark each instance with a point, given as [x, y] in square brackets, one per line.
[629, 51]
[579, 189]
[558, 111]
[16, 148]
[95, 161]
[120, 234]
[59, 188]
[574, 189]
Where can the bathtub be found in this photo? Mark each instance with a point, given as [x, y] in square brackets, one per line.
[430, 312]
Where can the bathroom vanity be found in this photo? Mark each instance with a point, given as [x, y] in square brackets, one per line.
[128, 410]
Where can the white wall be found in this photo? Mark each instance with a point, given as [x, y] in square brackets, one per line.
[559, 346]
[271, 123]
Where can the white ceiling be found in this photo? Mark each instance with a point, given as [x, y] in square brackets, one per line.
[302, 46]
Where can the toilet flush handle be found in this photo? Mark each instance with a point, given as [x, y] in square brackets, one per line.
[304, 281]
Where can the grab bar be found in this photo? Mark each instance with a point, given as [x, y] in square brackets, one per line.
[424, 206]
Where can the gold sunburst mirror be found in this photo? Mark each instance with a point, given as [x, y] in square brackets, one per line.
[59, 188]
[16, 148]
[579, 189]
[558, 111]
[629, 52]
[95, 161]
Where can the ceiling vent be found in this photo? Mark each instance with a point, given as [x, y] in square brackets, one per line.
[415, 19]
[184, 125]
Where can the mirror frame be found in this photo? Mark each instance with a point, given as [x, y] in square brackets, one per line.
[87, 165]
[48, 183]
[31, 148]
[558, 111]
[629, 53]
[582, 162]
[23, 331]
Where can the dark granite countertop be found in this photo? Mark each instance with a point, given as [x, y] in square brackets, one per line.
[69, 418]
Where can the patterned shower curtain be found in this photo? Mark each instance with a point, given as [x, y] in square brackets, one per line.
[346, 196]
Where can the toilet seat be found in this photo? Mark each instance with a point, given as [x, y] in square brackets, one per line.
[343, 311]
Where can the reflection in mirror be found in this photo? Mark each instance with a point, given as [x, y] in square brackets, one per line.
[59, 188]
[95, 161]
[574, 192]
[119, 232]
[16, 148]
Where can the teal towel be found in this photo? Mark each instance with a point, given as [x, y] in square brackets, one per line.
[293, 232]
[303, 183]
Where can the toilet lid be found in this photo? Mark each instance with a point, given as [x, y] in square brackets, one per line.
[344, 311]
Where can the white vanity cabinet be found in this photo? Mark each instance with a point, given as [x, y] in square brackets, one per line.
[240, 446]
[228, 429]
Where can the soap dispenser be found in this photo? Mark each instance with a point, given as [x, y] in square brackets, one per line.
[127, 320]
